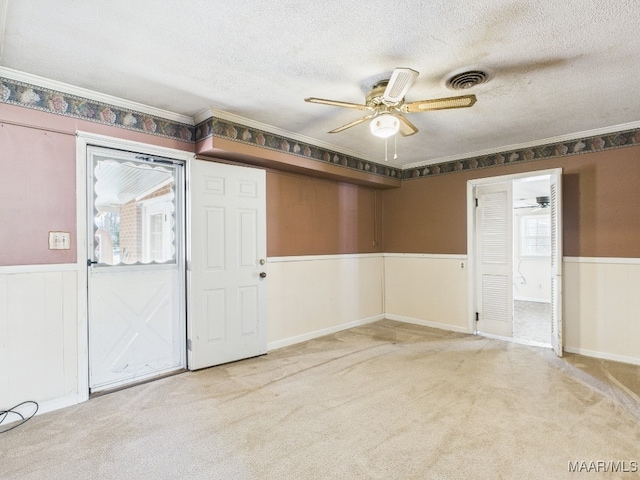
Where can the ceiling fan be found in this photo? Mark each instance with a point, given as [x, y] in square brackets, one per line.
[386, 103]
[541, 202]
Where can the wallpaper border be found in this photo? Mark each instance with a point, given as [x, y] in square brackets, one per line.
[27, 95]
[589, 144]
[47, 100]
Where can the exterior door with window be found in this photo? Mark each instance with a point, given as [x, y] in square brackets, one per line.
[136, 271]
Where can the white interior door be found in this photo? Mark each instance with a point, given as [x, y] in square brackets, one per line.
[494, 259]
[136, 270]
[555, 204]
[227, 255]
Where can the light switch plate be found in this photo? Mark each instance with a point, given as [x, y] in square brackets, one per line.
[59, 240]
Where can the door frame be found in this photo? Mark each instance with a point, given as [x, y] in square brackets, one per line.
[83, 140]
[471, 235]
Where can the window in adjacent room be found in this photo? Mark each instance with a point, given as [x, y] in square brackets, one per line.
[536, 236]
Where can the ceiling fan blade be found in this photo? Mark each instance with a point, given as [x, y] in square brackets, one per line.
[439, 104]
[337, 103]
[352, 124]
[399, 84]
[406, 127]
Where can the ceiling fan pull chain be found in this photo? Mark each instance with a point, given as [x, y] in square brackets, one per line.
[385, 149]
[395, 147]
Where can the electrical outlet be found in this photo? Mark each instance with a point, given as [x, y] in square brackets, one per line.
[462, 265]
[59, 240]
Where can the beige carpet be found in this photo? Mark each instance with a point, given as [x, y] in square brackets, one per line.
[384, 401]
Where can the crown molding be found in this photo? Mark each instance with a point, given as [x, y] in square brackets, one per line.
[202, 116]
[533, 144]
[92, 95]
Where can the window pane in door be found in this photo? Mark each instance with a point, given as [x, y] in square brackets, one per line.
[134, 212]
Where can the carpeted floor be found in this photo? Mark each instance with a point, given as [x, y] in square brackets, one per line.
[383, 401]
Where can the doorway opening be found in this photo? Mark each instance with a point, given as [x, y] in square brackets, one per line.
[515, 244]
[532, 261]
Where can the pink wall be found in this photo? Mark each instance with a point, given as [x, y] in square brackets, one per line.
[38, 181]
[37, 194]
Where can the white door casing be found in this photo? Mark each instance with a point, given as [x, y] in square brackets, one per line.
[474, 252]
[494, 263]
[555, 197]
[226, 258]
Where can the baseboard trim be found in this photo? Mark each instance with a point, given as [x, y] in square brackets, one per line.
[602, 355]
[322, 332]
[427, 323]
[58, 403]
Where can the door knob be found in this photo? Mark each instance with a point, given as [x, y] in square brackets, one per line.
[263, 274]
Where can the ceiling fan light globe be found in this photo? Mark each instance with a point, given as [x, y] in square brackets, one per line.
[384, 125]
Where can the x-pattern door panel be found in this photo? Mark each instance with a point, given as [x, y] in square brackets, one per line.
[133, 329]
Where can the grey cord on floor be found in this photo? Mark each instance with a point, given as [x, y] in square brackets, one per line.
[13, 412]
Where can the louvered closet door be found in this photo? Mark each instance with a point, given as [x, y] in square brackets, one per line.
[494, 230]
[555, 204]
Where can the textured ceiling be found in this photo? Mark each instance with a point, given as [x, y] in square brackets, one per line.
[560, 68]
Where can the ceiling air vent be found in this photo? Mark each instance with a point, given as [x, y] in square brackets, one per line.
[467, 79]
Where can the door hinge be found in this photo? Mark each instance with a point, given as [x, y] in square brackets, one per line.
[476, 202]
[477, 317]
[189, 347]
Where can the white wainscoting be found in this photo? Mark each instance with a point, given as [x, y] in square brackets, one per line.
[602, 307]
[39, 335]
[428, 290]
[311, 296]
